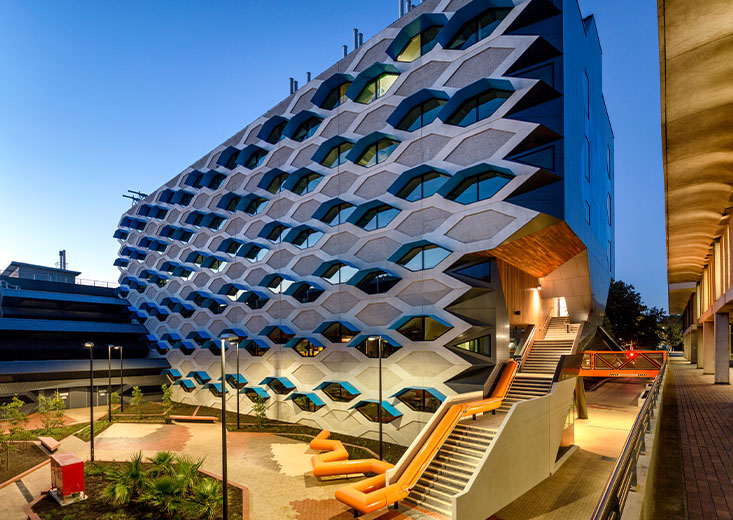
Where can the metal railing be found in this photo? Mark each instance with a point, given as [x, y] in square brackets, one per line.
[68, 279]
[623, 478]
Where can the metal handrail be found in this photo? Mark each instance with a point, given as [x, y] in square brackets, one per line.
[623, 478]
[65, 279]
[536, 335]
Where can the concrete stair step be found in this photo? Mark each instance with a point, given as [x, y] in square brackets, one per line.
[441, 465]
[441, 504]
[416, 502]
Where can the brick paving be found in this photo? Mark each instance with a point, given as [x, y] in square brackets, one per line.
[706, 440]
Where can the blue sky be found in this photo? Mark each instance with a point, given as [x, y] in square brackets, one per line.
[102, 97]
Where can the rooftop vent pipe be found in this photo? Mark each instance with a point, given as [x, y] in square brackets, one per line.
[356, 39]
[346, 50]
[292, 86]
[402, 8]
[361, 39]
[295, 87]
[307, 77]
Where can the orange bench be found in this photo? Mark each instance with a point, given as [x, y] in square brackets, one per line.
[49, 443]
[194, 418]
[335, 460]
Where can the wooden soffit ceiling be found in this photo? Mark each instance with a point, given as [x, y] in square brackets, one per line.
[540, 247]
[696, 64]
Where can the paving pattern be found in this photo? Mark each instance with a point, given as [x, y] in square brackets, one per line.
[706, 440]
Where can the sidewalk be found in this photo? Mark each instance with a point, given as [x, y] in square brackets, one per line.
[706, 439]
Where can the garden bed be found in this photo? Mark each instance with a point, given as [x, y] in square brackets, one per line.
[20, 460]
[96, 507]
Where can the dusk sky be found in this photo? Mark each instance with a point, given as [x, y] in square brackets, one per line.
[101, 97]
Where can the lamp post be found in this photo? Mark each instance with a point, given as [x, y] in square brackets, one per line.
[225, 505]
[236, 384]
[90, 346]
[379, 404]
[122, 385]
[110, 348]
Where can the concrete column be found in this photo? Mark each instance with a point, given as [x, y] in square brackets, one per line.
[693, 345]
[708, 348]
[722, 349]
[686, 346]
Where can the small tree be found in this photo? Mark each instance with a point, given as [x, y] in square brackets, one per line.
[18, 420]
[260, 410]
[51, 411]
[5, 435]
[137, 400]
[114, 398]
[167, 400]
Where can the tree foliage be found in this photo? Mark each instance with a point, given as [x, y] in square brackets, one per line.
[167, 400]
[137, 400]
[260, 410]
[629, 321]
[51, 410]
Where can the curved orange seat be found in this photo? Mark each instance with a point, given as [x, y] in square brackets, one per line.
[371, 494]
[335, 460]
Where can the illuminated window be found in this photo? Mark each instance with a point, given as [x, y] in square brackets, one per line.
[306, 403]
[337, 155]
[376, 88]
[338, 332]
[423, 257]
[338, 393]
[377, 153]
[480, 186]
[480, 345]
[423, 328]
[370, 410]
[419, 45]
[337, 96]
[307, 348]
[421, 115]
[479, 28]
[420, 400]
[478, 107]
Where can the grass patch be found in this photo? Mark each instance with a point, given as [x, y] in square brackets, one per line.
[99, 426]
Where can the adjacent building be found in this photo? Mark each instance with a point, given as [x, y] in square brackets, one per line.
[434, 196]
[46, 317]
[696, 59]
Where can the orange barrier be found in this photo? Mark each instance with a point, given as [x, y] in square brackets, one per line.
[371, 494]
[336, 459]
[631, 363]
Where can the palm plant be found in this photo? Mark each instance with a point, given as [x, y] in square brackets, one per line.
[165, 495]
[187, 470]
[127, 483]
[206, 499]
[163, 464]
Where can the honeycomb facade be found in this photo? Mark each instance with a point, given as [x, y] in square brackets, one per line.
[412, 199]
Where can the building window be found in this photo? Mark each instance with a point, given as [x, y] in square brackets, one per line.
[423, 257]
[255, 205]
[278, 284]
[370, 410]
[423, 328]
[278, 335]
[255, 300]
[305, 292]
[338, 332]
[377, 153]
[279, 387]
[306, 404]
[337, 155]
[277, 133]
[419, 45]
[376, 88]
[478, 107]
[338, 272]
[338, 214]
[338, 393]
[307, 128]
[420, 400]
[478, 187]
[480, 345]
[586, 149]
[377, 217]
[307, 183]
[256, 348]
[422, 186]
[254, 396]
[306, 237]
[378, 282]
[274, 232]
[337, 96]
[421, 115]
[252, 252]
[255, 158]
[307, 348]
[587, 212]
[369, 346]
[479, 28]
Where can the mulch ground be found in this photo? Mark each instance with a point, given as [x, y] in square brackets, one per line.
[95, 507]
[19, 460]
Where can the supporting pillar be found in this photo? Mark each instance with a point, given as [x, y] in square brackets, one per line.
[693, 345]
[686, 346]
[722, 349]
[708, 348]
[580, 398]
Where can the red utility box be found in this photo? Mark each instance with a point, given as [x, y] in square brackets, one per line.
[67, 476]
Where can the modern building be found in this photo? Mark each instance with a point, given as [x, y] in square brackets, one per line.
[47, 315]
[696, 54]
[436, 195]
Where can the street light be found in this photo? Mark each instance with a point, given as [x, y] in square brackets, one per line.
[236, 381]
[122, 384]
[110, 348]
[225, 508]
[378, 339]
[90, 346]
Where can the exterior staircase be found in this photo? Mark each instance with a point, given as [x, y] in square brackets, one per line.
[535, 376]
[451, 469]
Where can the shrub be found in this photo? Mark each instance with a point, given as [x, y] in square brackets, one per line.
[137, 400]
[260, 411]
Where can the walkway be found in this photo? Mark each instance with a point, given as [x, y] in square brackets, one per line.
[706, 439]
